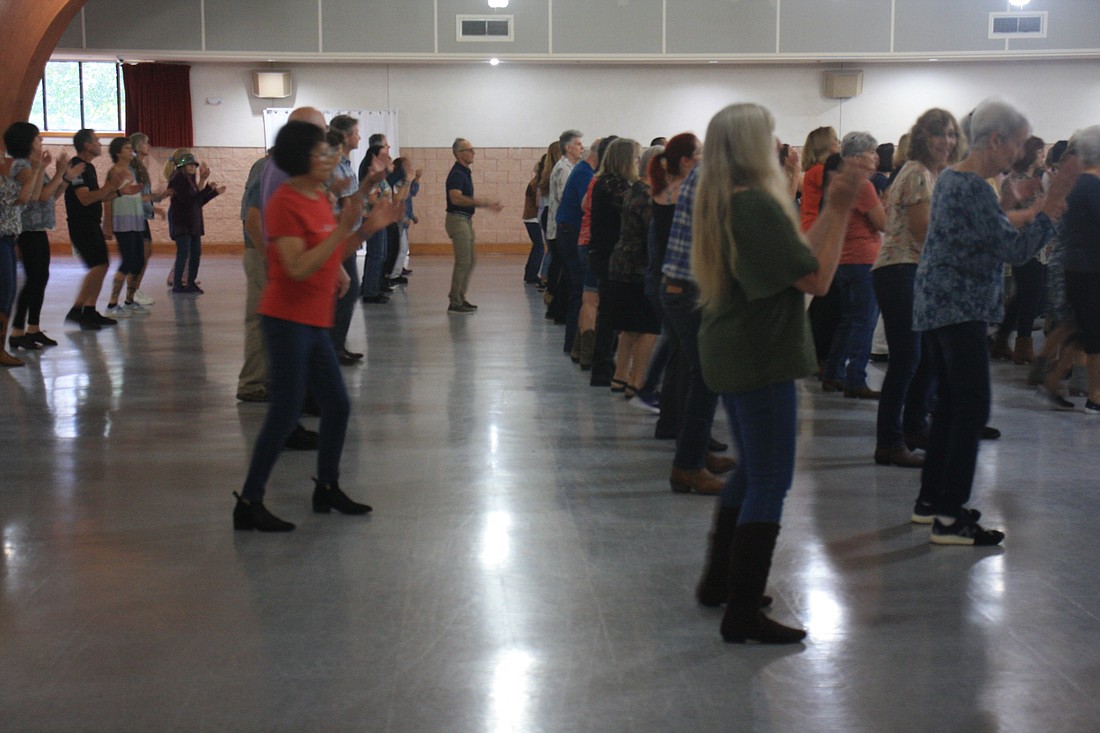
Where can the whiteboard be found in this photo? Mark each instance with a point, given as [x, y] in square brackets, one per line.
[370, 122]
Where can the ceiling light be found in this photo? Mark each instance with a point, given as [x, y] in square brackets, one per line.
[1018, 3]
[494, 61]
[498, 3]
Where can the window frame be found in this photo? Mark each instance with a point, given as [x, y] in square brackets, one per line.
[120, 111]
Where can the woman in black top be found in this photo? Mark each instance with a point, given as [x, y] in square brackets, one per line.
[618, 172]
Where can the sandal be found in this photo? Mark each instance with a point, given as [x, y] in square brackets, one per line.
[618, 385]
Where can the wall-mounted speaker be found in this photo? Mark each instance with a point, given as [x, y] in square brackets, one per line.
[271, 84]
[843, 84]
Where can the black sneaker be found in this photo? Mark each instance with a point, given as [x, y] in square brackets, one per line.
[964, 531]
[923, 514]
[102, 320]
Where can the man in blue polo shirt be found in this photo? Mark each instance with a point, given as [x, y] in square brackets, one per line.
[461, 204]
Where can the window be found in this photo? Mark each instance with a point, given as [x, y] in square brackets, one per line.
[77, 94]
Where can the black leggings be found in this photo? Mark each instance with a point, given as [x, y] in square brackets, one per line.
[34, 250]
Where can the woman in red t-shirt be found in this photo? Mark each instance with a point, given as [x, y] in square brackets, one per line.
[306, 246]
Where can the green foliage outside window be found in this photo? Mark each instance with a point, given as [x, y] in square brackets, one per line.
[76, 94]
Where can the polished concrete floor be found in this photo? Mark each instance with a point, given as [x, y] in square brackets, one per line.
[526, 567]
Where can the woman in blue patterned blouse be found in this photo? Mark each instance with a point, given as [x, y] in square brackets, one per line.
[959, 288]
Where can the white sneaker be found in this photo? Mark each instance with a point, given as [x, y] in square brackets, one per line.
[143, 299]
[137, 308]
[118, 311]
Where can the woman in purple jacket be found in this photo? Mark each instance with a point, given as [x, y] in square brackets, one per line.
[185, 214]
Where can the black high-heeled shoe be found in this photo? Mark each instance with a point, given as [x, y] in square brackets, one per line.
[23, 341]
[40, 338]
[327, 497]
[253, 515]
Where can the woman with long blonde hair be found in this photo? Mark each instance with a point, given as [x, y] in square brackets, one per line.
[753, 266]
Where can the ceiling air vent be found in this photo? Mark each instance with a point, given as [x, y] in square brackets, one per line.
[1018, 25]
[484, 27]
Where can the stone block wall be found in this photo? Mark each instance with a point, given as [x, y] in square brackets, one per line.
[498, 172]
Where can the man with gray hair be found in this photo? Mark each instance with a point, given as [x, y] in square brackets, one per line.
[572, 150]
[461, 204]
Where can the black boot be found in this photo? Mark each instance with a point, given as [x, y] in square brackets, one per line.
[750, 561]
[327, 497]
[250, 515]
[713, 589]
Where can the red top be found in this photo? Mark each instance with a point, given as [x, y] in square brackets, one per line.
[312, 301]
[862, 241]
[812, 182]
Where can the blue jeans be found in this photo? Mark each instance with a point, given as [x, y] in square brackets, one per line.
[188, 254]
[851, 347]
[907, 388]
[345, 307]
[7, 274]
[573, 278]
[373, 265]
[299, 357]
[700, 402]
[959, 356]
[534, 258]
[764, 425]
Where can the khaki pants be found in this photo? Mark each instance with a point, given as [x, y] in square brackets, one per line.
[461, 231]
[253, 374]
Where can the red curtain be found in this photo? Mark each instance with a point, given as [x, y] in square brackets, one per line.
[158, 103]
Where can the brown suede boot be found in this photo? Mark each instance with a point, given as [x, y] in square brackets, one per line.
[718, 465]
[750, 562]
[1022, 353]
[6, 359]
[699, 481]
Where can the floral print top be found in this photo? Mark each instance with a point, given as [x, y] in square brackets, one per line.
[960, 277]
[913, 185]
[11, 215]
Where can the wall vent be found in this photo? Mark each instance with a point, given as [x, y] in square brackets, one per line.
[484, 27]
[1018, 25]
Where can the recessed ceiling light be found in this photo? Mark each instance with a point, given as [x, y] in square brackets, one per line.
[1018, 3]
[494, 61]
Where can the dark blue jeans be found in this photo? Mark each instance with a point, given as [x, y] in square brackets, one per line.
[959, 356]
[7, 273]
[345, 307]
[851, 347]
[764, 425]
[534, 259]
[572, 279]
[907, 388]
[372, 266]
[700, 402]
[188, 254]
[299, 357]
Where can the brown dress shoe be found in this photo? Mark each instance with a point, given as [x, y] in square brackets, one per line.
[699, 481]
[718, 465]
[862, 392]
[898, 455]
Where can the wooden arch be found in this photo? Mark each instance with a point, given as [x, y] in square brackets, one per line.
[29, 33]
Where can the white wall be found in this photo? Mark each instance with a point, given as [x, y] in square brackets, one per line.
[521, 105]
